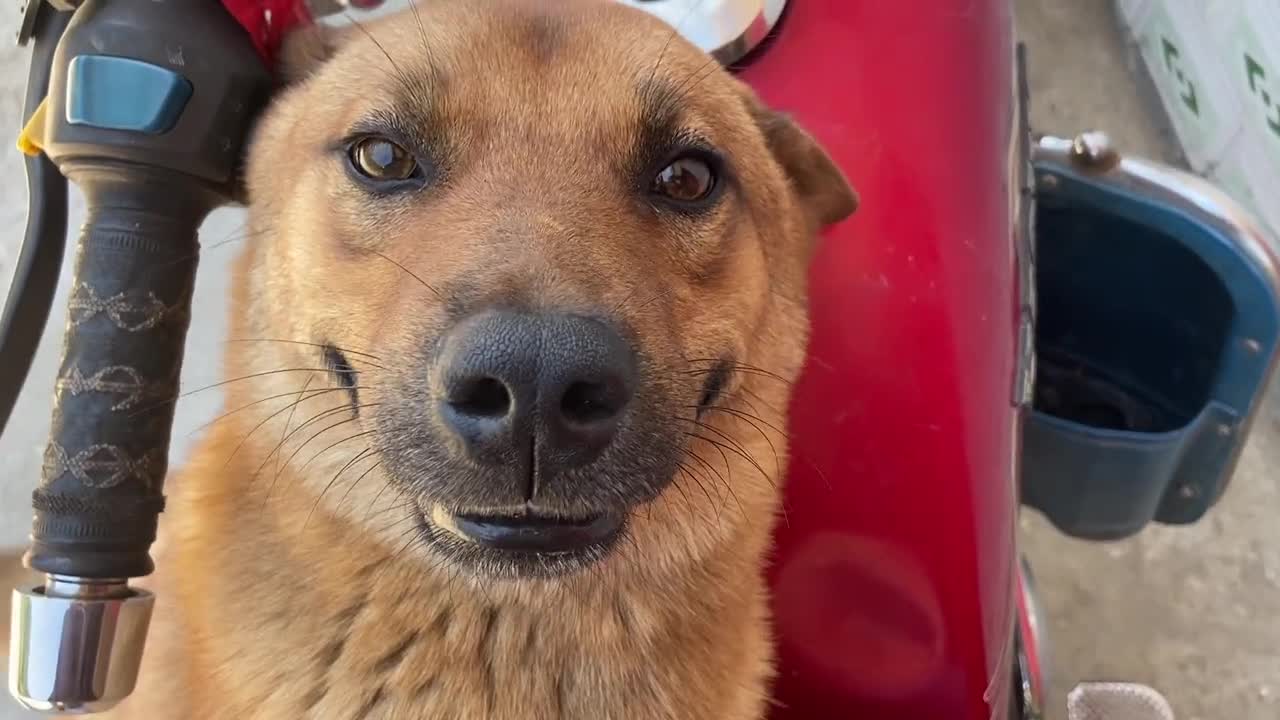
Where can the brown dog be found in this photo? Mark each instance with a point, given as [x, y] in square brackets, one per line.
[514, 328]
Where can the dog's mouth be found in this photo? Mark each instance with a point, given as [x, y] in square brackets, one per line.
[522, 542]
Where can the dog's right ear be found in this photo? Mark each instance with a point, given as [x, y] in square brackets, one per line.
[305, 49]
[815, 178]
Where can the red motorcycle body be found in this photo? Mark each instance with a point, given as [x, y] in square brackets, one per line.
[895, 579]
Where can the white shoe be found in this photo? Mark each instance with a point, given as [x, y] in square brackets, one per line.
[1117, 701]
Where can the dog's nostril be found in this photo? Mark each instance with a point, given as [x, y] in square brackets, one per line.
[589, 402]
[483, 397]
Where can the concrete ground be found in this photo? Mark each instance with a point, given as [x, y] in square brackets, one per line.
[1192, 611]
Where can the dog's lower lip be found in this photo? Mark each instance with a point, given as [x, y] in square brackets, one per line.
[529, 532]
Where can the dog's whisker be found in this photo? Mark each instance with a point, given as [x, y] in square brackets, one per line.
[792, 451]
[289, 421]
[292, 393]
[422, 33]
[728, 470]
[352, 486]
[648, 510]
[631, 542]
[737, 366]
[411, 534]
[287, 408]
[684, 470]
[777, 460]
[373, 503]
[634, 289]
[187, 393]
[702, 72]
[320, 497]
[727, 467]
[347, 351]
[756, 411]
[736, 451]
[711, 428]
[406, 517]
[722, 447]
[684, 497]
[280, 445]
[720, 477]
[234, 236]
[320, 432]
[408, 85]
[654, 299]
[755, 421]
[401, 500]
[723, 481]
[751, 417]
[675, 32]
[766, 403]
[327, 448]
[411, 274]
[681, 491]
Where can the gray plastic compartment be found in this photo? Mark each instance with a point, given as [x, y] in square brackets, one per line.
[1157, 319]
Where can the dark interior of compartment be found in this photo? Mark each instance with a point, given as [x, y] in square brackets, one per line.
[1130, 324]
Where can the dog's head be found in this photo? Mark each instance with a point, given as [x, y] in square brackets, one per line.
[555, 258]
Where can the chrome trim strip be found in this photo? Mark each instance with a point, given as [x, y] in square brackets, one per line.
[1032, 685]
[1023, 202]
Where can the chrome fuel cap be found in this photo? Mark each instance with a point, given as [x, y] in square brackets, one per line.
[727, 29]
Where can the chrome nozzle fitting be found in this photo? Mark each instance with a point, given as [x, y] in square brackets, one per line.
[76, 643]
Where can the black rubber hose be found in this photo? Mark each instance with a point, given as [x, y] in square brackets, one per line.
[35, 276]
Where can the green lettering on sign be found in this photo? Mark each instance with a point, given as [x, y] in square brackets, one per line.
[1188, 93]
[1257, 84]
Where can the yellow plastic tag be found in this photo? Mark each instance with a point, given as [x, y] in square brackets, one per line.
[31, 139]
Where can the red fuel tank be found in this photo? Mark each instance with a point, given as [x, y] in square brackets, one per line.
[894, 576]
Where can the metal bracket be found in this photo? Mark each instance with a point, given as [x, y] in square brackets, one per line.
[27, 27]
[31, 9]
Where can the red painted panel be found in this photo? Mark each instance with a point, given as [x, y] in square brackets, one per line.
[893, 581]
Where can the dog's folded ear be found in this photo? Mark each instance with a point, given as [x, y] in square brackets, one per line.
[305, 49]
[817, 181]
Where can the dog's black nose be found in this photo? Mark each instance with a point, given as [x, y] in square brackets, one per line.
[535, 389]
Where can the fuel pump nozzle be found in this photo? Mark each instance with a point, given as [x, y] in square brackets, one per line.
[147, 110]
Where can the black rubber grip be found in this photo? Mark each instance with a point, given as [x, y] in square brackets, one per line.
[96, 509]
[130, 305]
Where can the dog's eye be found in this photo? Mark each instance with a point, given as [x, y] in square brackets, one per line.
[380, 159]
[687, 179]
